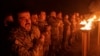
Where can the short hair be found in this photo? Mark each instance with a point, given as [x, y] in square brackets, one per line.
[15, 15]
[8, 14]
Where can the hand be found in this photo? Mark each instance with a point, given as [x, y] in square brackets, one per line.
[42, 39]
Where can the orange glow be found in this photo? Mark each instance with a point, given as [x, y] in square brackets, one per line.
[87, 23]
[98, 19]
[83, 22]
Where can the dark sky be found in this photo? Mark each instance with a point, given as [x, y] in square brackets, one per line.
[47, 5]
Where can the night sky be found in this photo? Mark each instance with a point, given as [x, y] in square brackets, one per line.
[66, 6]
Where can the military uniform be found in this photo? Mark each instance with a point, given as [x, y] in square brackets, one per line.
[36, 31]
[66, 33]
[55, 35]
[37, 35]
[61, 29]
[42, 25]
[24, 43]
[73, 31]
[47, 42]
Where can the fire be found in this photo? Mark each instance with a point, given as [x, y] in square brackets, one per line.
[87, 23]
[83, 22]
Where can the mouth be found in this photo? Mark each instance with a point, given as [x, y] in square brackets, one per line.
[28, 25]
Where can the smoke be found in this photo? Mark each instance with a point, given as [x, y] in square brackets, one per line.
[95, 6]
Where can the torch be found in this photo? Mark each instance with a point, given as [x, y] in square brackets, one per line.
[85, 38]
[98, 39]
[85, 42]
[98, 32]
[85, 30]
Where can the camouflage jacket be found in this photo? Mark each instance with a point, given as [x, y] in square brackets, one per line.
[56, 29]
[24, 43]
[42, 25]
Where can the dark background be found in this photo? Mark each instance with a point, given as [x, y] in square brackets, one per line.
[66, 6]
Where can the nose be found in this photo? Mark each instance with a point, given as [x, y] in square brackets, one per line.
[28, 21]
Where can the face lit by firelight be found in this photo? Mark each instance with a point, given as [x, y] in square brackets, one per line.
[25, 20]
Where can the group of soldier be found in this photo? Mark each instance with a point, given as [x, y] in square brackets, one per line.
[32, 34]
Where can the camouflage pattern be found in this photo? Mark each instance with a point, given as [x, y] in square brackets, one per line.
[47, 42]
[25, 43]
[56, 35]
[73, 25]
[61, 29]
[36, 31]
[66, 33]
[42, 25]
[73, 31]
[55, 31]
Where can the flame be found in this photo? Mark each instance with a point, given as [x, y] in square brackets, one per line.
[87, 23]
[83, 22]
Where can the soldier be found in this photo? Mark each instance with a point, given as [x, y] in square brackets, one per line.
[34, 19]
[61, 25]
[22, 39]
[60, 21]
[35, 27]
[67, 31]
[37, 34]
[52, 17]
[47, 34]
[60, 33]
[42, 21]
[8, 20]
[78, 19]
[73, 29]
[55, 40]
[7, 26]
